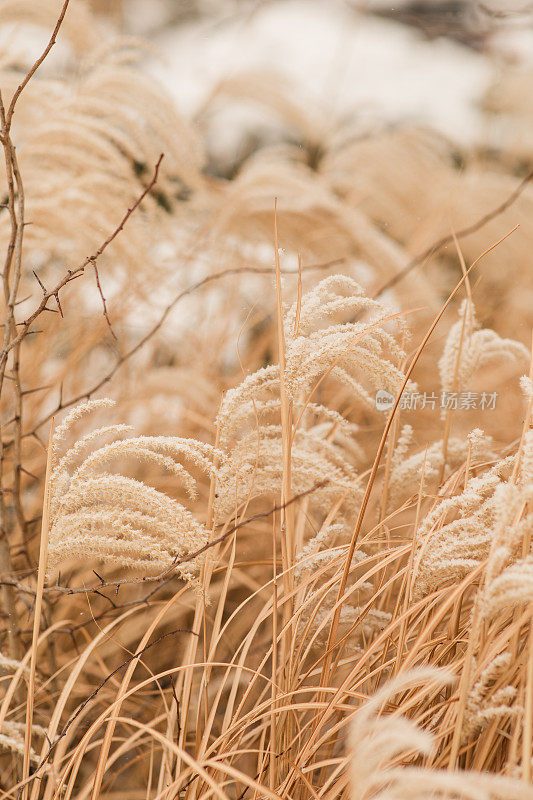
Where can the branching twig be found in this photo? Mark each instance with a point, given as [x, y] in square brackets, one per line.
[75, 715]
[170, 570]
[99, 287]
[467, 231]
[122, 359]
[78, 271]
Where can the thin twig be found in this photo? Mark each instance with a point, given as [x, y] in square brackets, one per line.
[101, 685]
[467, 231]
[76, 272]
[122, 359]
[170, 570]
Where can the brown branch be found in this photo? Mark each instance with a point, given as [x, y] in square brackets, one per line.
[168, 573]
[101, 293]
[78, 271]
[467, 231]
[10, 283]
[11, 277]
[101, 685]
[121, 360]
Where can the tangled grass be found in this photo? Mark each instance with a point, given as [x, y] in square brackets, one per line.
[229, 573]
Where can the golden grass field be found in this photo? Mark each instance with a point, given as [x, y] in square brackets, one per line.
[266, 465]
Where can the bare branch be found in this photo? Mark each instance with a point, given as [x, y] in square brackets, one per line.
[78, 271]
[99, 287]
[122, 359]
[440, 243]
[169, 572]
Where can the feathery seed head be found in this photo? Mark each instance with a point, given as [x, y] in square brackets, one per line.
[98, 514]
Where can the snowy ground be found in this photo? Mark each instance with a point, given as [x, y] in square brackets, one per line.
[335, 62]
[331, 59]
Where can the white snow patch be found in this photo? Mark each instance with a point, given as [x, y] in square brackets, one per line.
[334, 62]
